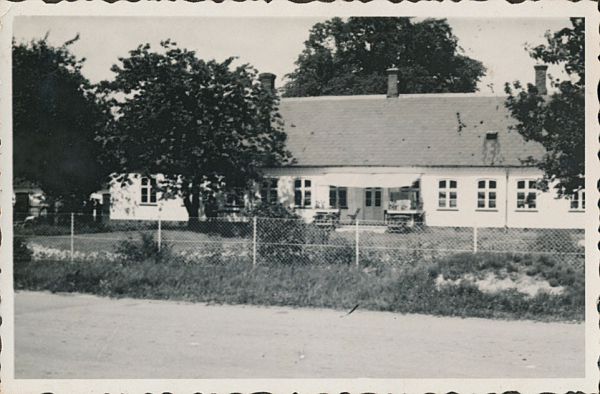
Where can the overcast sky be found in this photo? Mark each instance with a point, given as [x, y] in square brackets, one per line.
[273, 44]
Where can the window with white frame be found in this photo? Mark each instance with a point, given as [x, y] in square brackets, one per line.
[447, 194]
[148, 189]
[268, 190]
[486, 194]
[578, 201]
[302, 193]
[526, 194]
[373, 197]
[338, 197]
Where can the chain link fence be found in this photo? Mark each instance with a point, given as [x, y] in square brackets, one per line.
[264, 241]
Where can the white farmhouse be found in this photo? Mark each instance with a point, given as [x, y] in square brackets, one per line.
[444, 159]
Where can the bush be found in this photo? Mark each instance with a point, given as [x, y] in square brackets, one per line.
[339, 251]
[21, 251]
[42, 229]
[271, 210]
[223, 228]
[144, 248]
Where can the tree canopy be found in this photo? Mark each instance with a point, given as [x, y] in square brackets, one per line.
[557, 121]
[55, 117]
[351, 57]
[205, 126]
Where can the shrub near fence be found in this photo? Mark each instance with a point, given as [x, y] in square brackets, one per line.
[268, 241]
[444, 271]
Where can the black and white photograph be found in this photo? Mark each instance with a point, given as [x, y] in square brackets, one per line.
[335, 196]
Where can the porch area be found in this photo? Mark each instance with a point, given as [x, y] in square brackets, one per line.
[378, 202]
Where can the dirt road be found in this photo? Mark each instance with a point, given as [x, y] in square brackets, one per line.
[79, 336]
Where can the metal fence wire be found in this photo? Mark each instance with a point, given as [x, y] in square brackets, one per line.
[266, 241]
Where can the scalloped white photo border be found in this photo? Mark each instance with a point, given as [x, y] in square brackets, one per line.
[493, 8]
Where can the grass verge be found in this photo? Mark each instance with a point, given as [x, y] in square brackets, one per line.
[406, 289]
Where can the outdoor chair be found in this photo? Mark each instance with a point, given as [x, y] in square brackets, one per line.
[354, 215]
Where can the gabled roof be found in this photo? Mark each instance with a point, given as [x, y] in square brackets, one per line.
[410, 130]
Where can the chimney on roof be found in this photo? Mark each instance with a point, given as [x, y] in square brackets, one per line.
[267, 80]
[540, 78]
[392, 82]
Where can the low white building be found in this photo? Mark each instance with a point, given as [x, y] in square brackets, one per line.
[445, 159]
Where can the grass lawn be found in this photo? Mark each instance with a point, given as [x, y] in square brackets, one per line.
[445, 286]
[107, 242]
[418, 271]
[326, 247]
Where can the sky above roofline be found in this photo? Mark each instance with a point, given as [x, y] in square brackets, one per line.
[273, 44]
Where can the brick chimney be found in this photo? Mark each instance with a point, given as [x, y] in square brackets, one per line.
[267, 80]
[392, 82]
[540, 78]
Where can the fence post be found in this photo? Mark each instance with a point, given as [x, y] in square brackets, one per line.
[356, 239]
[72, 235]
[159, 235]
[254, 241]
[475, 239]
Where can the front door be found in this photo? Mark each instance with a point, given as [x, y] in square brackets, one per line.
[373, 204]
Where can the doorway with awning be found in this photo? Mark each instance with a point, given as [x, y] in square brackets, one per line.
[373, 197]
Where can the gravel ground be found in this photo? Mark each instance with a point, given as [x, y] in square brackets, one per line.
[81, 336]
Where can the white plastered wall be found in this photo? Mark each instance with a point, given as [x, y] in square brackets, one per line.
[551, 212]
[126, 204]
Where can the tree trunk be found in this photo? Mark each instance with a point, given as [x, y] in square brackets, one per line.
[211, 207]
[192, 206]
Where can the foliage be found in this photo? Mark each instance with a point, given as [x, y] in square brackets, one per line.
[144, 248]
[205, 126]
[545, 266]
[558, 121]
[235, 229]
[21, 251]
[280, 241]
[351, 57]
[55, 115]
[61, 225]
[271, 210]
[405, 290]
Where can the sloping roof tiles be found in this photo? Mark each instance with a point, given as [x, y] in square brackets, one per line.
[410, 130]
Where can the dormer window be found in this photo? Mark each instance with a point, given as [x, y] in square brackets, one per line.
[491, 136]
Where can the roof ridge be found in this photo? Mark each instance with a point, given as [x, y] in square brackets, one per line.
[400, 97]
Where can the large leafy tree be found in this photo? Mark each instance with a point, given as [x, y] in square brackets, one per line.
[56, 115]
[207, 127]
[556, 121]
[346, 57]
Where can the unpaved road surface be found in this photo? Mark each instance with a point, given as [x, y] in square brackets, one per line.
[80, 336]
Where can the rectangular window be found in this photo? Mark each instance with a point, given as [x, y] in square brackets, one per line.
[447, 193]
[302, 193]
[526, 194]
[486, 194]
[268, 191]
[373, 197]
[338, 197]
[148, 190]
[578, 201]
